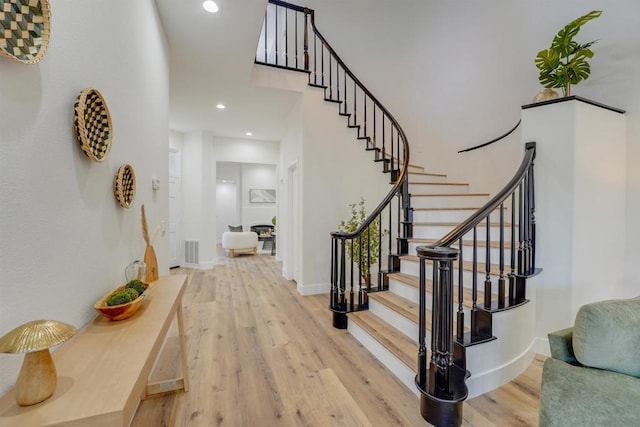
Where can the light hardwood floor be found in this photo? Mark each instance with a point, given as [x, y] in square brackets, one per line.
[262, 355]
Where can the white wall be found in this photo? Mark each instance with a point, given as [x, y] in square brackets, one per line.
[455, 74]
[64, 240]
[261, 177]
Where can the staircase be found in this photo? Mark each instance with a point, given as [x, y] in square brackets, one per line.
[424, 287]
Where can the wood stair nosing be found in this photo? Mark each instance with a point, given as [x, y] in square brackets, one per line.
[467, 293]
[334, 101]
[395, 342]
[319, 86]
[451, 195]
[455, 224]
[480, 243]
[466, 265]
[444, 184]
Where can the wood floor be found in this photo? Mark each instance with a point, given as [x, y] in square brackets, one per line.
[262, 355]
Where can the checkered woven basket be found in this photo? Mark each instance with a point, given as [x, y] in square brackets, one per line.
[124, 186]
[92, 124]
[24, 30]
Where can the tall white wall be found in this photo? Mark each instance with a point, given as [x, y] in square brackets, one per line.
[64, 240]
[455, 74]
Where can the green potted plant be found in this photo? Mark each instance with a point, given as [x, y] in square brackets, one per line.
[369, 240]
[566, 61]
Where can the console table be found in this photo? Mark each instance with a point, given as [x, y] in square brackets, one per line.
[103, 370]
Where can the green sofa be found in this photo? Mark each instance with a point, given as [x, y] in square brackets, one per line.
[593, 375]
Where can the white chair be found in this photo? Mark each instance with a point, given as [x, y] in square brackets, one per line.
[240, 241]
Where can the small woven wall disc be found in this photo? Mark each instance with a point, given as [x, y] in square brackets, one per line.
[92, 124]
[25, 26]
[124, 186]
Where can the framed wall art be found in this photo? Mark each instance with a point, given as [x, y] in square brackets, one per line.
[262, 196]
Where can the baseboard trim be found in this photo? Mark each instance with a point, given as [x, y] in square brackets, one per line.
[541, 346]
[200, 266]
[319, 288]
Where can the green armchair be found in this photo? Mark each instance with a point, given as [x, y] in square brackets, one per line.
[593, 375]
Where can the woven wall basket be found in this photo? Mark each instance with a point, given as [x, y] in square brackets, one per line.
[24, 30]
[124, 186]
[92, 124]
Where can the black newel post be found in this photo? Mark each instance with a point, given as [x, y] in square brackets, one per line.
[442, 383]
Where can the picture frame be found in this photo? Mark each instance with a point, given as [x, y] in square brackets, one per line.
[262, 195]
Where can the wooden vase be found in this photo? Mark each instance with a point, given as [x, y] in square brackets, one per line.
[37, 379]
[152, 264]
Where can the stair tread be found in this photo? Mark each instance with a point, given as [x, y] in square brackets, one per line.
[450, 195]
[481, 243]
[396, 342]
[455, 224]
[414, 281]
[466, 265]
[463, 208]
[399, 304]
[453, 184]
[428, 174]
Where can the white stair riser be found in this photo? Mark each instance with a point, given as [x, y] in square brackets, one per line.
[405, 373]
[426, 178]
[395, 319]
[439, 231]
[447, 201]
[404, 290]
[412, 268]
[467, 253]
[437, 189]
[450, 216]
[441, 215]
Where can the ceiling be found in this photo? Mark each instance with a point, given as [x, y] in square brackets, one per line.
[211, 59]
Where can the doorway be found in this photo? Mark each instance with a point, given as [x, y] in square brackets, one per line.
[175, 209]
[290, 270]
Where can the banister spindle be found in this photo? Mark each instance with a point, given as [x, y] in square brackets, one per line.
[521, 230]
[501, 283]
[315, 59]
[474, 287]
[306, 40]
[286, 37]
[266, 33]
[322, 63]
[487, 279]
[355, 105]
[512, 278]
[330, 76]
[532, 214]
[351, 302]
[364, 100]
[297, 15]
[277, 52]
[460, 317]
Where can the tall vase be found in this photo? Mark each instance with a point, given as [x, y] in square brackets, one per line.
[151, 263]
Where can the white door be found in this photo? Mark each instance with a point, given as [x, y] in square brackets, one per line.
[226, 207]
[293, 234]
[175, 210]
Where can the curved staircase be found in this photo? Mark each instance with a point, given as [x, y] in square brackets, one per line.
[452, 265]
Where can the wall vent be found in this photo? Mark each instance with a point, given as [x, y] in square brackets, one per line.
[191, 251]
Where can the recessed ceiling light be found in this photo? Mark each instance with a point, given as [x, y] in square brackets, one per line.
[248, 134]
[210, 6]
[221, 106]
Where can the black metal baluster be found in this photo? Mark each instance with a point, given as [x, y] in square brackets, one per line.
[487, 279]
[474, 289]
[374, 125]
[383, 137]
[355, 105]
[512, 277]
[351, 302]
[322, 63]
[521, 230]
[525, 217]
[277, 53]
[345, 93]
[286, 37]
[330, 77]
[315, 59]
[266, 33]
[343, 278]
[306, 43]
[532, 210]
[334, 270]
[501, 283]
[297, 15]
[364, 100]
[460, 318]
[338, 81]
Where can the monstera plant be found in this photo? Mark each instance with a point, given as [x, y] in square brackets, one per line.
[566, 61]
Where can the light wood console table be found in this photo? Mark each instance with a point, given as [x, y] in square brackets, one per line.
[103, 370]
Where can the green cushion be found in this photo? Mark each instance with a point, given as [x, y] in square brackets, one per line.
[606, 335]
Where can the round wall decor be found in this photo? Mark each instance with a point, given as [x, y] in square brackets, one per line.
[92, 124]
[24, 30]
[124, 186]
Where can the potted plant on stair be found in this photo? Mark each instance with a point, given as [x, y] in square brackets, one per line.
[364, 251]
[565, 62]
